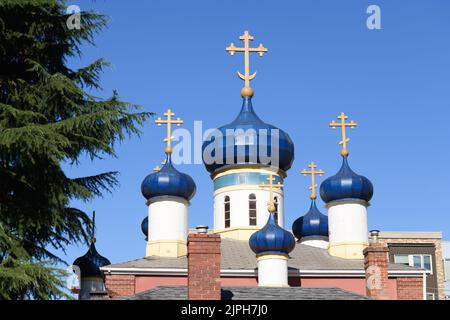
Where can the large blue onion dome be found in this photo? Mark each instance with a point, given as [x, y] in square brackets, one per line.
[252, 150]
[144, 227]
[91, 262]
[272, 239]
[346, 184]
[313, 223]
[168, 182]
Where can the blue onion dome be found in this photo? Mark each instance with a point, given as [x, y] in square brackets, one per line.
[144, 227]
[91, 262]
[272, 239]
[346, 184]
[313, 223]
[168, 182]
[252, 150]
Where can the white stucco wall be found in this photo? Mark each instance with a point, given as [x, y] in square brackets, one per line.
[272, 271]
[347, 222]
[168, 219]
[239, 208]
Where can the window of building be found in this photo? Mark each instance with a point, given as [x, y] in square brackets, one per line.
[401, 259]
[252, 209]
[275, 214]
[422, 261]
[430, 296]
[227, 211]
[447, 269]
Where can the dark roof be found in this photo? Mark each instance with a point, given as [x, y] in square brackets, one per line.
[237, 255]
[253, 293]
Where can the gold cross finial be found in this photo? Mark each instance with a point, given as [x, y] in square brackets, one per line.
[232, 49]
[271, 187]
[169, 123]
[342, 124]
[158, 168]
[312, 166]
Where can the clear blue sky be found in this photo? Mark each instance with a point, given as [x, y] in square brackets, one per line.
[322, 60]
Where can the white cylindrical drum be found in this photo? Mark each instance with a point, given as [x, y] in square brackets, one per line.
[272, 270]
[239, 204]
[167, 219]
[348, 231]
[315, 241]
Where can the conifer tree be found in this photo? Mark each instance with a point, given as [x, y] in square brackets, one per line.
[48, 115]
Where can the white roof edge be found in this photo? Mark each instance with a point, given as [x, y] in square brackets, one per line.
[411, 234]
[252, 272]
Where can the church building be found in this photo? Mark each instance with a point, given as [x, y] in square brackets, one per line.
[249, 253]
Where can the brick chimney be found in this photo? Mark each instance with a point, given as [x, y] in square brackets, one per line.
[203, 266]
[376, 266]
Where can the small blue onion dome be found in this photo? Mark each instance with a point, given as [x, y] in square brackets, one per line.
[346, 184]
[144, 227]
[168, 182]
[313, 223]
[91, 262]
[272, 239]
[244, 151]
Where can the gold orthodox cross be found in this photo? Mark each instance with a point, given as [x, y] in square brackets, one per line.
[342, 124]
[169, 123]
[158, 168]
[312, 166]
[271, 187]
[232, 49]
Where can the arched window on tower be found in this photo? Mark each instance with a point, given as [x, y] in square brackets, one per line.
[275, 214]
[227, 211]
[252, 209]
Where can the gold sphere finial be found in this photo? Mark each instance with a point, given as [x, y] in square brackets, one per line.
[313, 197]
[344, 152]
[271, 208]
[247, 92]
[168, 149]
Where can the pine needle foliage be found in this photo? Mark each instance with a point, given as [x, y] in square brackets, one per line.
[48, 115]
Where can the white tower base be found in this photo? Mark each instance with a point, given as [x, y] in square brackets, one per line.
[167, 227]
[315, 241]
[272, 270]
[237, 185]
[348, 231]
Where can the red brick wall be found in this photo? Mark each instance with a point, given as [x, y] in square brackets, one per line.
[409, 288]
[376, 264]
[204, 267]
[120, 285]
